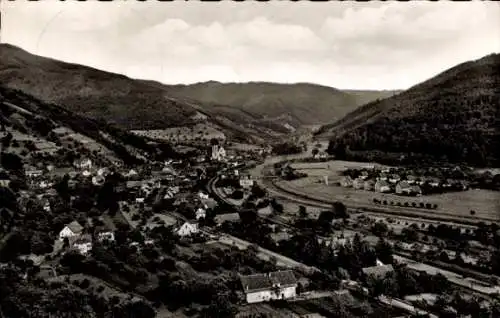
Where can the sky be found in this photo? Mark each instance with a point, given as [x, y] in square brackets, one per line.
[348, 45]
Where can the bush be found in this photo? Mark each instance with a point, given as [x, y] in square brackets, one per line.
[414, 204]
[472, 212]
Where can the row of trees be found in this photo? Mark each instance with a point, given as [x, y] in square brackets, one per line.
[420, 205]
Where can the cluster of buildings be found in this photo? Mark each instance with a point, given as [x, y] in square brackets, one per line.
[386, 182]
[82, 241]
[383, 183]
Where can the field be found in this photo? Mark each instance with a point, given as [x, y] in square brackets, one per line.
[185, 133]
[486, 203]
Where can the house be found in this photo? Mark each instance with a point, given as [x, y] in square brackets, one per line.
[139, 200]
[364, 175]
[86, 173]
[322, 155]
[46, 206]
[403, 188]
[218, 153]
[74, 229]
[98, 180]
[203, 195]
[382, 186]
[227, 217]
[83, 164]
[416, 190]
[434, 182]
[346, 182]
[187, 229]
[358, 183]
[83, 244]
[103, 172]
[33, 173]
[377, 272]
[201, 213]
[394, 178]
[382, 176]
[270, 286]
[369, 185]
[133, 184]
[411, 179]
[4, 183]
[104, 233]
[246, 181]
[131, 173]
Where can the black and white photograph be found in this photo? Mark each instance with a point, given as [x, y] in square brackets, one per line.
[249, 159]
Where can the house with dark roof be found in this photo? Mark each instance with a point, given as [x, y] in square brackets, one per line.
[227, 217]
[270, 286]
[74, 229]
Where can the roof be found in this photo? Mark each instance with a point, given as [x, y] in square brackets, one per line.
[84, 239]
[75, 227]
[404, 184]
[382, 183]
[378, 271]
[258, 282]
[133, 184]
[230, 217]
[284, 278]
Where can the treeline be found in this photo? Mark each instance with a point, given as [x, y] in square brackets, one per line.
[456, 131]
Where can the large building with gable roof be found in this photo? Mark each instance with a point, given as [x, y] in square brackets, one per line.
[265, 287]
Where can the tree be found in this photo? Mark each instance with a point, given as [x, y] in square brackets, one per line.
[314, 152]
[302, 212]
[340, 210]
[384, 251]
[472, 212]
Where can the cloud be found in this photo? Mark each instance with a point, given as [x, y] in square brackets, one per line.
[355, 45]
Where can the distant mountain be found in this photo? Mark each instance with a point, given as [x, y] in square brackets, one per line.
[116, 99]
[452, 116]
[302, 103]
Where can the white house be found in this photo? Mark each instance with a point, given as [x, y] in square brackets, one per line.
[86, 173]
[201, 213]
[203, 195]
[382, 186]
[103, 172]
[33, 173]
[218, 153]
[403, 188]
[358, 183]
[105, 235]
[74, 229]
[98, 180]
[83, 244]
[83, 164]
[246, 182]
[271, 286]
[187, 229]
[46, 206]
[139, 200]
[346, 182]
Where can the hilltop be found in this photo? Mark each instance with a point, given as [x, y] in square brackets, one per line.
[251, 112]
[301, 103]
[452, 116]
[119, 100]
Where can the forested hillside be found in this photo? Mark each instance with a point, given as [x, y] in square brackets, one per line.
[452, 117]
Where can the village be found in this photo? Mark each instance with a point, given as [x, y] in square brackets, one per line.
[181, 209]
